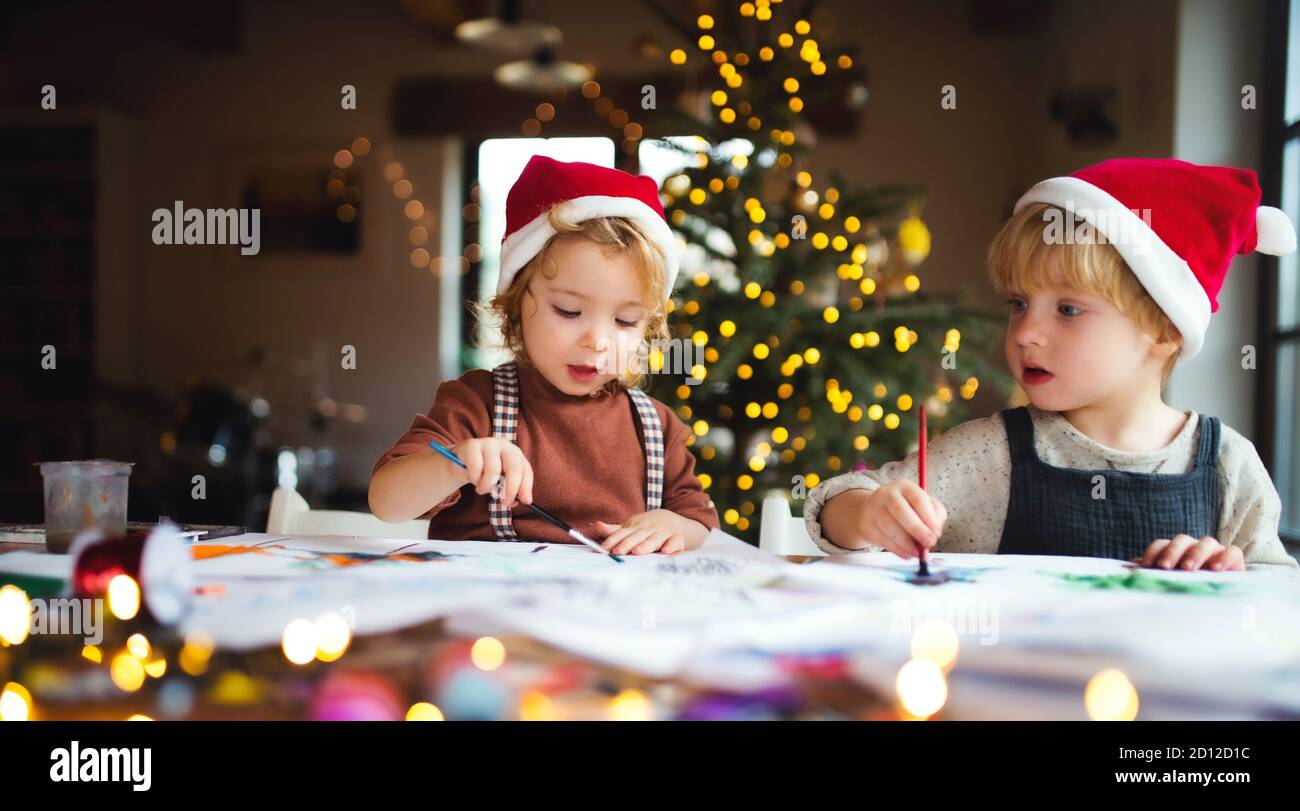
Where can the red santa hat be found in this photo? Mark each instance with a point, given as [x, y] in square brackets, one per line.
[1176, 224]
[587, 191]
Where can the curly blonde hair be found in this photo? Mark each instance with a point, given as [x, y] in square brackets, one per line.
[1020, 258]
[617, 236]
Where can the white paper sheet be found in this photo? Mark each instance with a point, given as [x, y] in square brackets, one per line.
[562, 589]
[39, 564]
[723, 613]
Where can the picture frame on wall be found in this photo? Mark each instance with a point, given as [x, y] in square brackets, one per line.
[313, 212]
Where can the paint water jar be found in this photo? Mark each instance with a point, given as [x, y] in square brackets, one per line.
[88, 494]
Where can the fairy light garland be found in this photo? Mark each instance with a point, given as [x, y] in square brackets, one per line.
[422, 218]
[631, 131]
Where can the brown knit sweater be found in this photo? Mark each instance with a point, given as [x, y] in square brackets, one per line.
[587, 455]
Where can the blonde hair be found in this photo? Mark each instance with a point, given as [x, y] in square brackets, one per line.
[617, 236]
[1021, 256]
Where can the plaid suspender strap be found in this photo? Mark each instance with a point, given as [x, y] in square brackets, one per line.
[654, 448]
[505, 425]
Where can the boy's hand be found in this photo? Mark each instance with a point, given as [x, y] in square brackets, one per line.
[1186, 552]
[654, 531]
[899, 515]
[489, 459]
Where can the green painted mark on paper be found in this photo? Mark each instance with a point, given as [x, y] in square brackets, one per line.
[36, 586]
[1140, 581]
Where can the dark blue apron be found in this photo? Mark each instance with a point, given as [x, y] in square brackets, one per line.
[1054, 511]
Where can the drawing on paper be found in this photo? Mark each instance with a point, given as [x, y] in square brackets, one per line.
[315, 560]
[1141, 581]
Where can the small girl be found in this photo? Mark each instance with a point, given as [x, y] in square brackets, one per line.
[587, 264]
[1111, 275]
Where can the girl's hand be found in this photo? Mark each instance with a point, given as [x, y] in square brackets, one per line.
[1186, 552]
[489, 459]
[654, 531]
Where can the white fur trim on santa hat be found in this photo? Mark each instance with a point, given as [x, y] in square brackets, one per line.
[528, 241]
[1274, 231]
[1164, 274]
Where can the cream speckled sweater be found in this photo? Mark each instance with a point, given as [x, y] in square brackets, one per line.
[969, 471]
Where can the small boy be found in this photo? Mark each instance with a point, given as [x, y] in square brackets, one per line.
[1111, 275]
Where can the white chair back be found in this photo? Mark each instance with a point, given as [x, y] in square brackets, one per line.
[783, 534]
[291, 515]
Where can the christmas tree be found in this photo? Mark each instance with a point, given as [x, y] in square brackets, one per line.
[802, 293]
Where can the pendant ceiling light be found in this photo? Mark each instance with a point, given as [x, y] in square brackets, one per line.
[542, 73]
[508, 31]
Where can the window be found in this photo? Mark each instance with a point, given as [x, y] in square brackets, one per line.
[1279, 415]
[500, 161]
[670, 157]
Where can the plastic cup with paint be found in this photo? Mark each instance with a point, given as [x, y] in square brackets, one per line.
[83, 495]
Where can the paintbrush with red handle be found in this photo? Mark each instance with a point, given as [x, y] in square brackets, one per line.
[924, 570]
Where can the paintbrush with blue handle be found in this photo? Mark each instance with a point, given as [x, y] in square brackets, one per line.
[573, 533]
